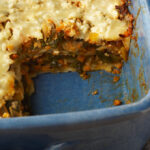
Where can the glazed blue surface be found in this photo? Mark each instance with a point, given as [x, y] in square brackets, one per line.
[66, 116]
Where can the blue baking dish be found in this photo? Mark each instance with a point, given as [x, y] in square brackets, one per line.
[66, 116]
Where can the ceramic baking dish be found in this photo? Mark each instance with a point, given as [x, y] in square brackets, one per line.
[65, 114]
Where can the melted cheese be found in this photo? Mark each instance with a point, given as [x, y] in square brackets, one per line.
[99, 16]
[24, 18]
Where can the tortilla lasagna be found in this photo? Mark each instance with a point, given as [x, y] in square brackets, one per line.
[38, 36]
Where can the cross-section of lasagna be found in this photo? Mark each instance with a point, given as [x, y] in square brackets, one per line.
[38, 36]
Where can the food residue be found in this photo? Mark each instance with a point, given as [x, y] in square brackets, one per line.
[116, 78]
[95, 92]
[128, 102]
[117, 102]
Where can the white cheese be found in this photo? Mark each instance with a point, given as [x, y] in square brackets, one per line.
[27, 16]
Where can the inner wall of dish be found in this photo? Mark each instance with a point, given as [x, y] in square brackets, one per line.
[67, 92]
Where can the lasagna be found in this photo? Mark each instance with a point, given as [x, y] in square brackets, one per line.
[38, 36]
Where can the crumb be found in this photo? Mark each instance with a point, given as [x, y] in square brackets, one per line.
[95, 92]
[5, 115]
[116, 79]
[84, 76]
[128, 102]
[117, 102]
[119, 66]
[116, 71]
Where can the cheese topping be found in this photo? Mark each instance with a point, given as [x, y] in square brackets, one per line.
[99, 16]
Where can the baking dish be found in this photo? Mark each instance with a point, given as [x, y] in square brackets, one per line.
[67, 116]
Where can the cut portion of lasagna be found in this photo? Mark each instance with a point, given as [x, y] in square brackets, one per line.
[38, 36]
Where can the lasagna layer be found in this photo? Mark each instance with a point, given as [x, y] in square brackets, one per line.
[38, 36]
